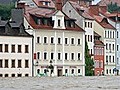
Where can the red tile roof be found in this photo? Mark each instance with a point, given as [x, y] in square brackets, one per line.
[98, 42]
[106, 2]
[104, 22]
[81, 10]
[48, 13]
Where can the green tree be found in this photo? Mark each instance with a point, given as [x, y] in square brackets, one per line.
[113, 7]
[5, 11]
[89, 62]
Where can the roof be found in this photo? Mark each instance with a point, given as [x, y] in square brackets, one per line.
[81, 10]
[96, 34]
[39, 3]
[104, 22]
[106, 2]
[47, 13]
[98, 42]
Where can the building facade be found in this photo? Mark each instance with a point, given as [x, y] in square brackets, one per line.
[15, 50]
[58, 42]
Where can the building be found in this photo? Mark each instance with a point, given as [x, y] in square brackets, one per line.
[15, 50]
[84, 20]
[98, 55]
[58, 41]
[107, 2]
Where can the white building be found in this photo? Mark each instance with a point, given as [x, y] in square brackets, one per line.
[15, 50]
[83, 19]
[57, 41]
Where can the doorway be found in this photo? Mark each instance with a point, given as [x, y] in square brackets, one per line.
[59, 72]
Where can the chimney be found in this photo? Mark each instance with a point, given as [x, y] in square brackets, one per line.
[58, 5]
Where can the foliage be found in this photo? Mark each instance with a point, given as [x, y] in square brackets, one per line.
[113, 7]
[89, 62]
[5, 11]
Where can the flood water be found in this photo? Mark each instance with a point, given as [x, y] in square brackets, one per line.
[61, 83]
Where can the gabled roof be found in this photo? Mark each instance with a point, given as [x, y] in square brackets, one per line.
[96, 34]
[45, 12]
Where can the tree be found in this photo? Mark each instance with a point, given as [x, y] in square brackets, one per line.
[113, 7]
[5, 11]
[89, 62]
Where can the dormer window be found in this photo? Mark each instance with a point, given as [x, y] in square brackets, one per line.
[58, 22]
[46, 3]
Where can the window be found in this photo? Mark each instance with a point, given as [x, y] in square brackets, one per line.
[6, 63]
[66, 56]
[45, 70]
[38, 55]
[106, 46]
[109, 46]
[13, 63]
[108, 34]
[117, 34]
[26, 63]
[26, 48]
[85, 24]
[6, 75]
[66, 70]
[91, 24]
[72, 56]
[78, 41]
[113, 59]
[105, 34]
[52, 56]
[45, 55]
[106, 59]
[113, 35]
[1, 46]
[78, 70]
[58, 22]
[19, 63]
[19, 75]
[72, 71]
[59, 56]
[26, 75]
[13, 48]
[6, 47]
[38, 39]
[109, 58]
[38, 71]
[117, 60]
[72, 41]
[45, 40]
[113, 47]
[117, 47]
[110, 71]
[19, 48]
[107, 71]
[91, 38]
[66, 40]
[78, 56]
[52, 40]
[13, 75]
[1, 63]
[1, 75]
[59, 40]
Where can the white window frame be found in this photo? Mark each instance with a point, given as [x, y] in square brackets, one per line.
[67, 56]
[71, 40]
[53, 55]
[46, 56]
[46, 40]
[60, 40]
[71, 56]
[67, 41]
[39, 39]
[77, 41]
[60, 56]
[53, 40]
[39, 55]
[80, 56]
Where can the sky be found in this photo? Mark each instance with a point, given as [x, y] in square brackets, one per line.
[96, 1]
